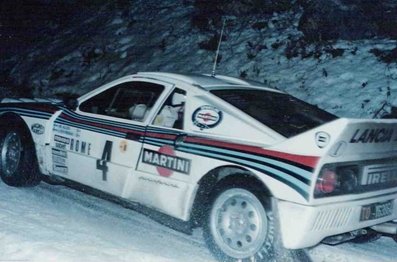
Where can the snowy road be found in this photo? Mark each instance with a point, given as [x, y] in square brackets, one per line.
[56, 223]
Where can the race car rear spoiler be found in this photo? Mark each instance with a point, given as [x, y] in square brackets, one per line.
[346, 139]
[366, 137]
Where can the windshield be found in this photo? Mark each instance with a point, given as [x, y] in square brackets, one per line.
[283, 113]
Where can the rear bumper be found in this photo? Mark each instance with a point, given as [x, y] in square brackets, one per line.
[305, 226]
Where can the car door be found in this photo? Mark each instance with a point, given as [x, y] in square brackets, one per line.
[99, 143]
[163, 181]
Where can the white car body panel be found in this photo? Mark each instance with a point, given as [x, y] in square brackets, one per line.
[305, 226]
[161, 167]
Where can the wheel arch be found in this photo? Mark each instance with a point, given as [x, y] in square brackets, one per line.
[8, 118]
[209, 182]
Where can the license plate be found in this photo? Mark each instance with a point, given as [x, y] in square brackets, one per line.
[377, 210]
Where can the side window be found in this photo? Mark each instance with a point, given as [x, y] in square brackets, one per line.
[171, 113]
[131, 100]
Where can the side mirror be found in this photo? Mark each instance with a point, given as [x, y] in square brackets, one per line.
[69, 100]
[71, 103]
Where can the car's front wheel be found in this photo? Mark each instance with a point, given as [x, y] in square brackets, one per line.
[241, 226]
[18, 162]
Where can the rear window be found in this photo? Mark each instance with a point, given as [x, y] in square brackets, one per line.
[283, 113]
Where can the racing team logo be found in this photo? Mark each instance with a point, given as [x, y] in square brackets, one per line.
[207, 117]
[38, 129]
[166, 161]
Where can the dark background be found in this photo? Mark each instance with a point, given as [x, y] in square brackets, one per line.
[24, 22]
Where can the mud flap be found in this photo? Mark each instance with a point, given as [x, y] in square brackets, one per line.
[387, 229]
[281, 253]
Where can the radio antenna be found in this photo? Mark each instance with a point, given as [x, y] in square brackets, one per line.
[217, 50]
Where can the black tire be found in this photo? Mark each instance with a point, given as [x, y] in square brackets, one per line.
[18, 161]
[252, 231]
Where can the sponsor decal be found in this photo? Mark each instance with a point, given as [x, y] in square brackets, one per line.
[61, 153]
[207, 116]
[379, 174]
[60, 169]
[80, 146]
[293, 170]
[58, 160]
[123, 146]
[60, 146]
[158, 182]
[322, 139]
[166, 161]
[78, 132]
[38, 129]
[62, 139]
[376, 135]
[66, 130]
[102, 164]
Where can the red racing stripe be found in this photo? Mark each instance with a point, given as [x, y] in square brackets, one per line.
[309, 161]
[109, 127]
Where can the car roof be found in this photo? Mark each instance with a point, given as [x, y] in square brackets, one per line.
[207, 82]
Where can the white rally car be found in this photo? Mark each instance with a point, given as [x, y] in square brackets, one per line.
[258, 169]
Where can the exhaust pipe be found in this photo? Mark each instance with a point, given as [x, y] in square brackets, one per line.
[386, 228]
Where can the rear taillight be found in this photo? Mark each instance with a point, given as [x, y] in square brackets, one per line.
[336, 180]
[326, 181]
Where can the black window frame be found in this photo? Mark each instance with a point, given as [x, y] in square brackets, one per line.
[104, 102]
[281, 112]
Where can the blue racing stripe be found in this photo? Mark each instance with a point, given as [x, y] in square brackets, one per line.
[91, 128]
[301, 172]
[27, 112]
[295, 183]
[296, 170]
[261, 166]
[103, 121]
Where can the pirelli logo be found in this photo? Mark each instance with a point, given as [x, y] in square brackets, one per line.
[379, 174]
[167, 161]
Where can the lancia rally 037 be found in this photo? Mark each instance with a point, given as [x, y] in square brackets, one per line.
[256, 168]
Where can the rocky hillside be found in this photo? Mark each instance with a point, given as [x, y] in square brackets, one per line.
[338, 54]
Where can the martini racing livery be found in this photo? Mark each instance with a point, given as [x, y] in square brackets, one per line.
[258, 169]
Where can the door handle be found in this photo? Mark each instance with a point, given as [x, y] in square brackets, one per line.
[132, 136]
[179, 139]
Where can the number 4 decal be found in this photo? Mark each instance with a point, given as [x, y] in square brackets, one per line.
[101, 164]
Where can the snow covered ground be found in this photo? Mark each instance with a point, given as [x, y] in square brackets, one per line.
[58, 224]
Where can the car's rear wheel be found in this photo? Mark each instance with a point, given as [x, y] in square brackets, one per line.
[241, 226]
[18, 162]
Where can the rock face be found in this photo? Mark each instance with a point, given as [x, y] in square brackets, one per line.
[322, 20]
[104, 40]
[208, 13]
[243, 7]
[348, 19]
